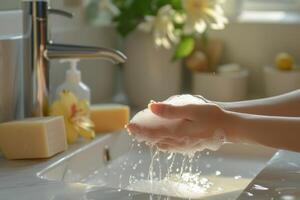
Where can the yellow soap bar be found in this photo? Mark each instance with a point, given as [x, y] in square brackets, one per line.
[33, 138]
[109, 117]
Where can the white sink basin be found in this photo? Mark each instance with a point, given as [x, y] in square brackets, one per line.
[230, 169]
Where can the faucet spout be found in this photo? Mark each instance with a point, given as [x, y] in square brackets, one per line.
[65, 51]
[38, 50]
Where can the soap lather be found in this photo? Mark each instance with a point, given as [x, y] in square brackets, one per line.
[73, 82]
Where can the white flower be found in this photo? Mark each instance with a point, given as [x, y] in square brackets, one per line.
[203, 13]
[162, 27]
[107, 10]
[108, 6]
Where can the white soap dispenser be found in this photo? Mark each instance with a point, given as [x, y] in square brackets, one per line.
[73, 82]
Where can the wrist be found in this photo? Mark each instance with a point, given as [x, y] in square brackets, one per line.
[231, 125]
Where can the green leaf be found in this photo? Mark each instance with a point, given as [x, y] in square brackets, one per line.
[176, 4]
[185, 47]
[132, 13]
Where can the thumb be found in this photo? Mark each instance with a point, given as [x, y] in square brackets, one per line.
[169, 111]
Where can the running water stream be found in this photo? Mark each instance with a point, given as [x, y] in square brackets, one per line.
[162, 175]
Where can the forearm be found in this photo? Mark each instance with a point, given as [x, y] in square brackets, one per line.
[283, 105]
[277, 132]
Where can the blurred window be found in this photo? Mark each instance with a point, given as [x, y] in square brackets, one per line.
[274, 11]
[271, 5]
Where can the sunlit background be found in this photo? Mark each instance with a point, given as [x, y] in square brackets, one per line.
[258, 31]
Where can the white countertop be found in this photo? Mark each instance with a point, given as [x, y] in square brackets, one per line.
[19, 180]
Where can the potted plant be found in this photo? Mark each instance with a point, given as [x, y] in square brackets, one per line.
[158, 35]
[216, 82]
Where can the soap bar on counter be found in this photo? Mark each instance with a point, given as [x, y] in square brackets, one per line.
[109, 117]
[33, 138]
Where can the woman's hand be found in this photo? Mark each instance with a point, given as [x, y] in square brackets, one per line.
[195, 123]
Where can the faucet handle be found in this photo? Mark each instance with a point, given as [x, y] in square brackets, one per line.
[60, 12]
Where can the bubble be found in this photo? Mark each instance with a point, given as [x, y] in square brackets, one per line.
[134, 167]
[218, 173]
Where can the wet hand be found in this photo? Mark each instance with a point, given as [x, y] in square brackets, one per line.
[194, 123]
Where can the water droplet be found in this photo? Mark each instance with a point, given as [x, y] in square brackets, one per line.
[286, 189]
[207, 165]
[288, 197]
[140, 161]
[237, 177]
[218, 173]
[259, 187]
[142, 175]
[249, 194]
[207, 153]
[119, 190]
[134, 167]
[203, 181]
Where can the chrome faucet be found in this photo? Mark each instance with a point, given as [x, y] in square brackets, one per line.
[38, 51]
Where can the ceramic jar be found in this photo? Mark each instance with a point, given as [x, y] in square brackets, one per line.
[150, 73]
[278, 82]
[221, 87]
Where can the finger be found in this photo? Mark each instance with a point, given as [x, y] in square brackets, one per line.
[148, 132]
[170, 111]
[170, 141]
[164, 147]
[133, 128]
[155, 133]
[192, 129]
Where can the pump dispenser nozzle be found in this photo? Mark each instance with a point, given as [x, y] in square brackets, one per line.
[73, 74]
[73, 82]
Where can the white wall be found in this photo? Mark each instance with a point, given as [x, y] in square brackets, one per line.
[9, 4]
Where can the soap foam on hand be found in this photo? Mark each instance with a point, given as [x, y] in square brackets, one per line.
[148, 119]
